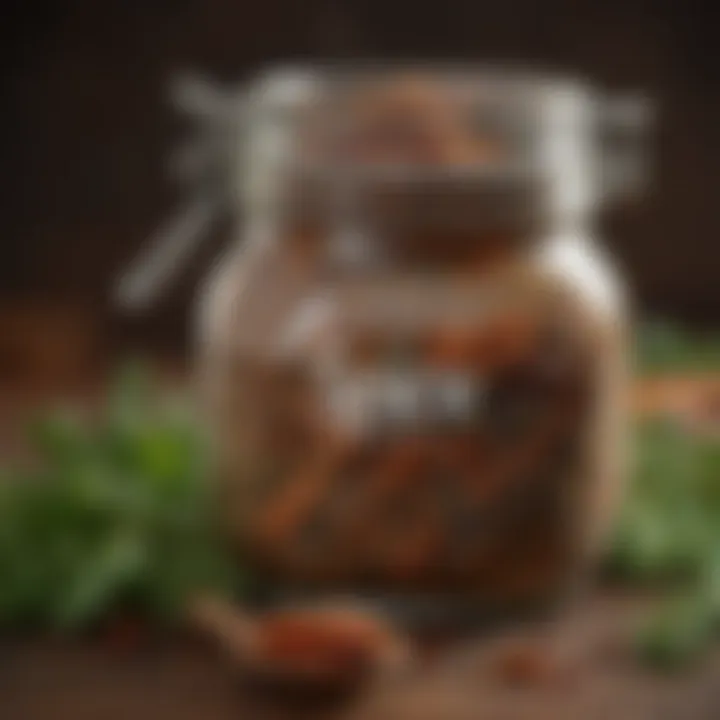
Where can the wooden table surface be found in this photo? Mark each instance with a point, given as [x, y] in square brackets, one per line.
[52, 679]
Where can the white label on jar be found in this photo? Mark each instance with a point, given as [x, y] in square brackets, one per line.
[398, 400]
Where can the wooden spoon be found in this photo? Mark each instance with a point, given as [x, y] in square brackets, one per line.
[318, 648]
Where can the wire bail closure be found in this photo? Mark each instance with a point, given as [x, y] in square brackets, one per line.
[204, 166]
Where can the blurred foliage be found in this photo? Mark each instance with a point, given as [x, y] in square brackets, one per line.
[669, 526]
[679, 633]
[668, 536]
[668, 533]
[115, 512]
[663, 346]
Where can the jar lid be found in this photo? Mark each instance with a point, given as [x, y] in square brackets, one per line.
[398, 146]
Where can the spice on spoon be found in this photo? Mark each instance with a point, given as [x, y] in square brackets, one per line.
[321, 648]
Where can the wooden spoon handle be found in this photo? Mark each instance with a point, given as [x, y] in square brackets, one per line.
[231, 627]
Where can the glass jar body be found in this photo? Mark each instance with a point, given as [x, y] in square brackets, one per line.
[414, 362]
[454, 433]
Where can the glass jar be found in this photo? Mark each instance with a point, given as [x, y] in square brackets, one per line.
[414, 358]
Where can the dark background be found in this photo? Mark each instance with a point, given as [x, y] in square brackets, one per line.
[86, 125]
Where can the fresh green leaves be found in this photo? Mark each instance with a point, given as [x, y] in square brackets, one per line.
[662, 346]
[670, 522]
[677, 634]
[669, 529]
[669, 532]
[98, 576]
[687, 624]
[116, 511]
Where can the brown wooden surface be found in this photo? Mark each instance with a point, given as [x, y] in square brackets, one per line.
[74, 680]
